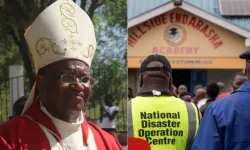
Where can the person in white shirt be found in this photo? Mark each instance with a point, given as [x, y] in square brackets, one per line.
[108, 115]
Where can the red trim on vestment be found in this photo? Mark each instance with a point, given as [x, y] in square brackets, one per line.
[24, 132]
[104, 140]
[36, 114]
[85, 131]
[21, 133]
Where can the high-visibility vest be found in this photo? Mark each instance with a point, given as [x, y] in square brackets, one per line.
[165, 122]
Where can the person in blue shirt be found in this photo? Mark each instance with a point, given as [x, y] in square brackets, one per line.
[226, 123]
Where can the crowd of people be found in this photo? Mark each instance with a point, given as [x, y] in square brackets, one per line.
[162, 116]
[205, 95]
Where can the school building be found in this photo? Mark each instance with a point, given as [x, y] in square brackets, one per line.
[202, 39]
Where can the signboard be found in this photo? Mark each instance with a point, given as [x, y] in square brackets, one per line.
[179, 34]
[196, 63]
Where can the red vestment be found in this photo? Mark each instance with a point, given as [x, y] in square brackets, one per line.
[24, 132]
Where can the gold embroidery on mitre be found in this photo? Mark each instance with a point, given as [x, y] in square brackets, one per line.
[43, 45]
[67, 10]
[73, 43]
[69, 25]
[90, 52]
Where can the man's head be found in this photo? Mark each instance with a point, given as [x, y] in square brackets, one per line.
[155, 73]
[185, 96]
[19, 105]
[221, 86]
[62, 48]
[200, 94]
[239, 79]
[213, 91]
[182, 88]
[197, 87]
[64, 88]
[108, 99]
[246, 55]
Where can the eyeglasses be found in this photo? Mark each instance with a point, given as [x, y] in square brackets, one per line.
[70, 79]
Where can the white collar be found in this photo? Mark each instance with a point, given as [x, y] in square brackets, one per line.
[63, 125]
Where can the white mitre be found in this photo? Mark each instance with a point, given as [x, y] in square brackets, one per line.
[62, 31]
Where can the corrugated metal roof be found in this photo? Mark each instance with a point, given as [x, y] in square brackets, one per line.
[138, 7]
[234, 7]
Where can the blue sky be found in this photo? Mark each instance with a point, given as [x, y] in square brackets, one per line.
[78, 2]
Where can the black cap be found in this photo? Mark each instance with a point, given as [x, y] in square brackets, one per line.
[159, 58]
[246, 55]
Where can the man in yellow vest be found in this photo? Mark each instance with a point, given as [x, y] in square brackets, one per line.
[155, 115]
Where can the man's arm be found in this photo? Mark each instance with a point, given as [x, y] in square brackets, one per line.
[208, 136]
[112, 115]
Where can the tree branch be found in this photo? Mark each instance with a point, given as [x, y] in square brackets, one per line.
[42, 4]
[24, 49]
[83, 4]
[14, 36]
[99, 5]
[14, 8]
[94, 5]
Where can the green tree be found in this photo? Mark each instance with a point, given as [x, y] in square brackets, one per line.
[17, 15]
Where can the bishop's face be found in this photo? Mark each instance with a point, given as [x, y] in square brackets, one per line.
[65, 89]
